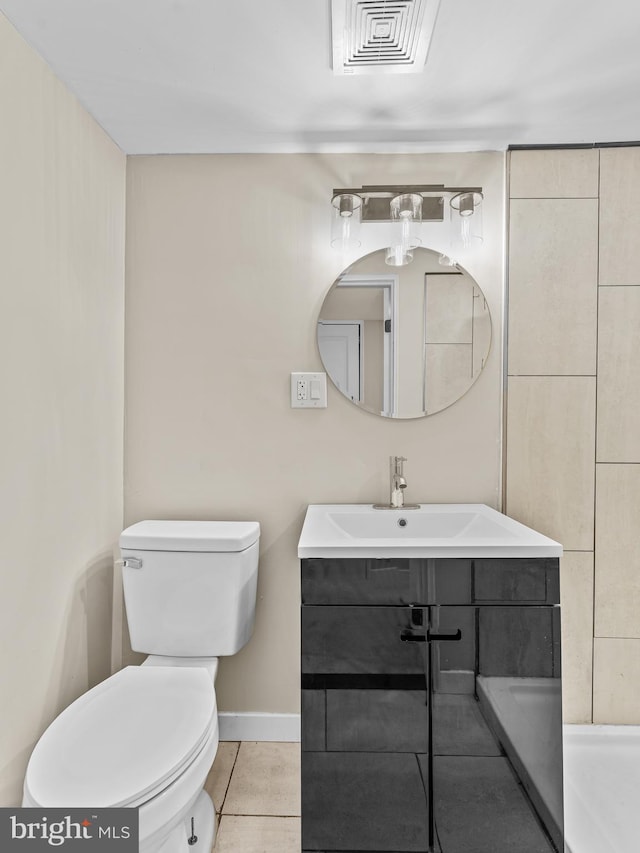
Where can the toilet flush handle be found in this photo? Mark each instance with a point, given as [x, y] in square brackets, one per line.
[129, 563]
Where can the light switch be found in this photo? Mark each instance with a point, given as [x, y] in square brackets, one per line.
[308, 390]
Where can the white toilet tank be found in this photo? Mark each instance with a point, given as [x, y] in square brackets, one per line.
[190, 586]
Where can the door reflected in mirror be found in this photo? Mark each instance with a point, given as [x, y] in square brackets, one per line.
[404, 342]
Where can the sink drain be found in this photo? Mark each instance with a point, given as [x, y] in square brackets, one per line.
[402, 522]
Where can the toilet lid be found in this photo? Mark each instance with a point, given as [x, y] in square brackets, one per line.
[123, 738]
[185, 536]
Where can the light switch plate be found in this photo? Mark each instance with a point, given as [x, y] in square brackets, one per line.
[308, 390]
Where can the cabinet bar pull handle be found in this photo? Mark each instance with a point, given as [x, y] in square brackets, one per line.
[410, 637]
[450, 637]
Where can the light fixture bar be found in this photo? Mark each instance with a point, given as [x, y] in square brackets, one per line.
[378, 208]
[376, 199]
[393, 189]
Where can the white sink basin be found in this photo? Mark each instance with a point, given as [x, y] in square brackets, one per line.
[433, 530]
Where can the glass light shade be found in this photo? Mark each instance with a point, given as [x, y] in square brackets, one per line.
[397, 256]
[345, 223]
[466, 220]
[406, 214]
[406, 218]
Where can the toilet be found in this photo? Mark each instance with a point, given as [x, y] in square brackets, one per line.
[146, 737]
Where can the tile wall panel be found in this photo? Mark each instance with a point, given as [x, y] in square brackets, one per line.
[550, 456]
[619, 374]
[553, 292]
[616, 681]
[554, 174]
[576, 599]
[619, 216]
[617, 559]
[550, 426]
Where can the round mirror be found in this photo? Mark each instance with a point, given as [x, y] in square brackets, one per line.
[404, 342]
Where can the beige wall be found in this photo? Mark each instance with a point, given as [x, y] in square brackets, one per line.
[573, 364]
[228, 263]
[62, 191]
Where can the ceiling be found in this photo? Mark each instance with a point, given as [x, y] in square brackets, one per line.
[205, 76]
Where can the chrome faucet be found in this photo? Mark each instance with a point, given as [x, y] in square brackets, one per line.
[398, 485]
[398, 482]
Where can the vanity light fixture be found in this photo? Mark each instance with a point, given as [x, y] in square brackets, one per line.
[406, 208]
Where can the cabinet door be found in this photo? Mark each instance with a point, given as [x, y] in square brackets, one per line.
[364, 729]
[362, 641]
[496, 761]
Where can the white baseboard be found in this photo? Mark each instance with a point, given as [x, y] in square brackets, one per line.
[257, 726]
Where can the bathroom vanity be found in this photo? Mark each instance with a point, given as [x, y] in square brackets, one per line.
[431, 703]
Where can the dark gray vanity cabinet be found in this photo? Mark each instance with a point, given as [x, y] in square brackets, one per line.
[431, 706]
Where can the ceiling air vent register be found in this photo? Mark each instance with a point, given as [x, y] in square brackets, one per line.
[381, 36]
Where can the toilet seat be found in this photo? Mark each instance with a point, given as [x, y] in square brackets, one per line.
[124, 741]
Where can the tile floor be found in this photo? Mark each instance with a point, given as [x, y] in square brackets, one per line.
[255, 788]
